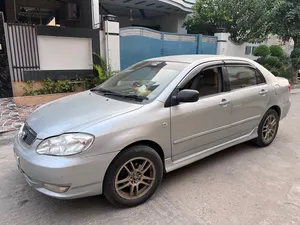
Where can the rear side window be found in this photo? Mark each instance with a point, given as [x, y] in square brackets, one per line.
[260, 78]
[243, 76]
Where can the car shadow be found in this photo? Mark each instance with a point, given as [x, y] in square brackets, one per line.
[99, 204]
[213, 160]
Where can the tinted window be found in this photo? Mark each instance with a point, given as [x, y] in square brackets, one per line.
[240, 77]
[260, 78]
[207, 82]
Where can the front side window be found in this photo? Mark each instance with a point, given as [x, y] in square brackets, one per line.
[143, 81]
[207, 82]
[240, 77]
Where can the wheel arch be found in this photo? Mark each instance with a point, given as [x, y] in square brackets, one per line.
[155, 146]
[277, 109]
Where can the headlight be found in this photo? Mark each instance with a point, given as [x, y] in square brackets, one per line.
[66, 144]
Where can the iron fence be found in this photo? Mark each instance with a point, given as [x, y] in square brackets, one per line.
[23, 49]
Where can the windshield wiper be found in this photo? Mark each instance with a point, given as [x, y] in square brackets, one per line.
[111, 93]
[101, 90]
[136, 97]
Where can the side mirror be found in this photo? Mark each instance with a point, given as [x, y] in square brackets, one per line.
[187, 95]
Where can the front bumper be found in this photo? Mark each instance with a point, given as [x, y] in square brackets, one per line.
[83, 174]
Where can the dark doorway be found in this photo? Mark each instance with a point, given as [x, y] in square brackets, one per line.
[5, 79]
[2, 8]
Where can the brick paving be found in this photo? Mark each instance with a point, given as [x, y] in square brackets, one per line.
[11, 115]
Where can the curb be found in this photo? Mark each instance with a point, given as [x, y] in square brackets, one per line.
[296, 86]
[295, 91]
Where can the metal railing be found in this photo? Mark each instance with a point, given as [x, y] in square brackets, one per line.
[23, 48]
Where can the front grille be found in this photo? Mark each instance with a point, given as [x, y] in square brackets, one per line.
[28, 135]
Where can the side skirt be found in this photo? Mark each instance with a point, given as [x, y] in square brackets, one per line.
[173, 165]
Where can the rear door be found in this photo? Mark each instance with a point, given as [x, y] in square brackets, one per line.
[249, 94]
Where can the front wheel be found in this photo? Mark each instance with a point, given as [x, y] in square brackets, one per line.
[133, 177]
[267, 129]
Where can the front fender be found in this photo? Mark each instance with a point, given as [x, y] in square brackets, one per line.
[150, 123]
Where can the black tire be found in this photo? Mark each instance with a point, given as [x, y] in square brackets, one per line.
[109, 187]
[260, 141]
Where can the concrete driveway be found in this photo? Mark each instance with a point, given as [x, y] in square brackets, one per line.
[241, 185]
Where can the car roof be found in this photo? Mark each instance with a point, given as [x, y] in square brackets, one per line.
[197, 58]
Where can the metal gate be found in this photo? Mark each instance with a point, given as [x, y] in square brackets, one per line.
[137, 44]
[23, 49]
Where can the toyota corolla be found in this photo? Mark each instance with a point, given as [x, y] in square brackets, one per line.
[154, 117]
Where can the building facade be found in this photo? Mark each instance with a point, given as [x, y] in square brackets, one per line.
[161, 15]
[57, 39]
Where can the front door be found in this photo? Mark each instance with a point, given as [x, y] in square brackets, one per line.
[203, 124]
[249, 95]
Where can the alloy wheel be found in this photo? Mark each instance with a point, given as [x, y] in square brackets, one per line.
[135, 178]
[269, 128]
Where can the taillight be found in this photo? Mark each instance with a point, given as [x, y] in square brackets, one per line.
[289, 87]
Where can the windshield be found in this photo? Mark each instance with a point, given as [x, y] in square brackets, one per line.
[143, 81]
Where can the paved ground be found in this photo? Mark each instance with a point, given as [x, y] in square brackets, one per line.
[241, 185]
[12, 116]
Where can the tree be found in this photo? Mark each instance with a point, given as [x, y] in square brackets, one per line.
[274, 59]
[246, 21]
[276, 50]
[286, 20]
[262, 51]
[295, 57]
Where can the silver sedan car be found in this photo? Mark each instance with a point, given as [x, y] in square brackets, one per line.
[154, 117]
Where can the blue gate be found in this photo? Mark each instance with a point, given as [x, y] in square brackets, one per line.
[137, 44]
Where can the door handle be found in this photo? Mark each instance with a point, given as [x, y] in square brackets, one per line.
[224, 102]
[263, 92]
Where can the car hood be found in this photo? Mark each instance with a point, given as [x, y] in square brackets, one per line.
[75, 112]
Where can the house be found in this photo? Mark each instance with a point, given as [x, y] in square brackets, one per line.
[162, 15]
[227, 47]
[57, 38]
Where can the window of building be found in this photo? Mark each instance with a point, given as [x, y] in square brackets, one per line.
[248, 50]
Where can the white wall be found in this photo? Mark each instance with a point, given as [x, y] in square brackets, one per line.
[126, 22]
[112, 44]
[172, 24]
[240, 50]
[65, 53]
[274, 40]
[227, 47]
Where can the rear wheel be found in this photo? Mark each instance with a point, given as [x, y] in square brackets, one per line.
[267, 129]
[133, 176]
